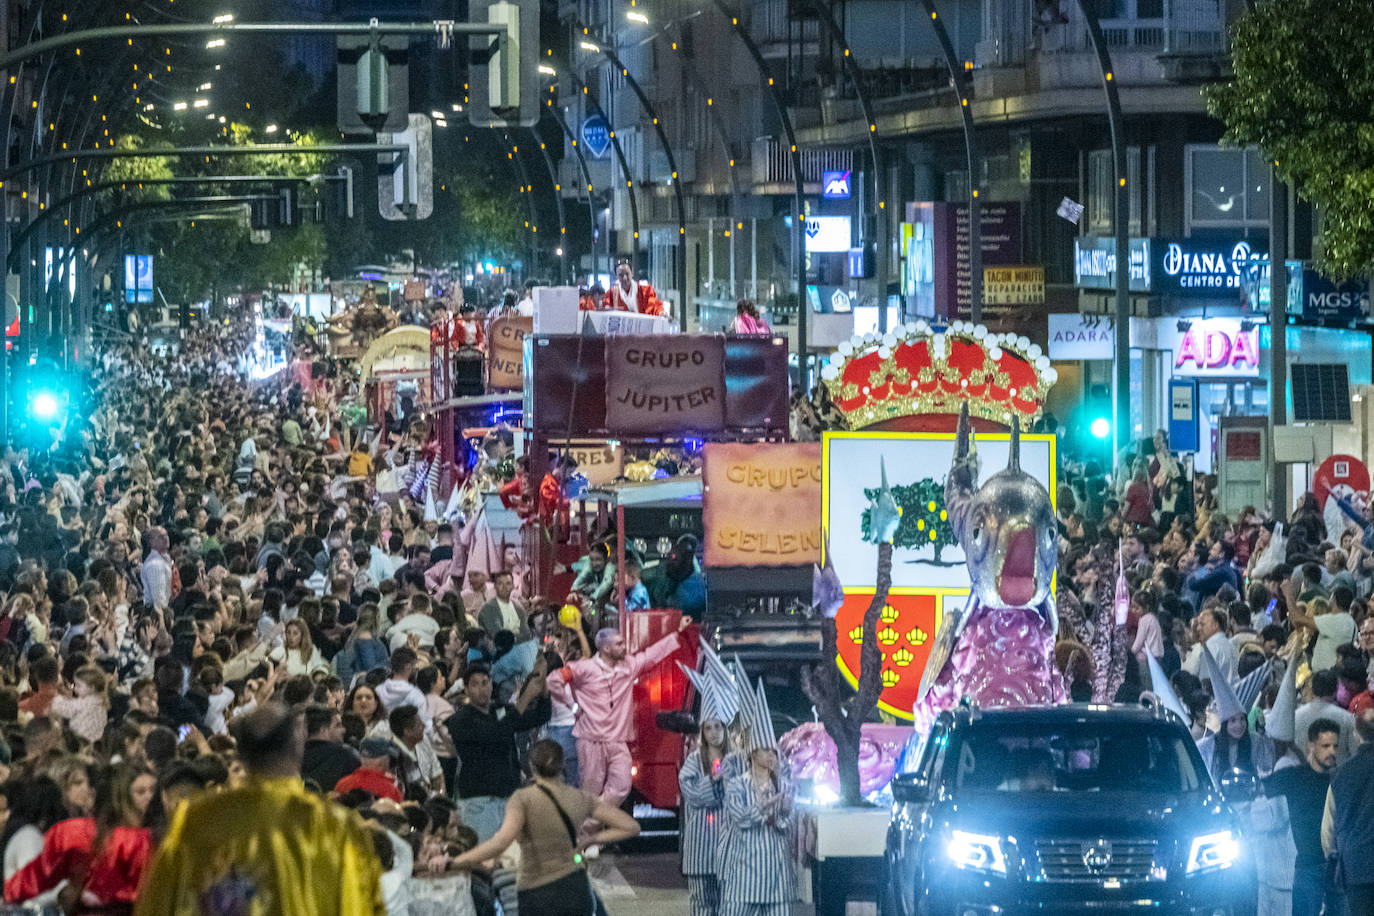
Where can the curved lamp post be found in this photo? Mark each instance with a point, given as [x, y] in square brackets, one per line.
[851, 68]
[799, 202]
[586, 180]
[620, 157]
[962, 82]
[605, 47]
[1121, 215]
[557, 198]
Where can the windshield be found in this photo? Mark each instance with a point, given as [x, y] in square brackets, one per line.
[1048, 757]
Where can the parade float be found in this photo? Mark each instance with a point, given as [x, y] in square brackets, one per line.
[349, 333]
[938, 568]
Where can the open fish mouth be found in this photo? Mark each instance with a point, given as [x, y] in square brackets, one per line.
[1016, 581]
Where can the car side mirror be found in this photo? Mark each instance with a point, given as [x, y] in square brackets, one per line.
[910, 788]
[1239, 786]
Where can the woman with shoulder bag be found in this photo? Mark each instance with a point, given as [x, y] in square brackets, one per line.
[542, 817]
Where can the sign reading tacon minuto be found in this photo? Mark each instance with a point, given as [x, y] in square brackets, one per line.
[665, 383]
[762, 504]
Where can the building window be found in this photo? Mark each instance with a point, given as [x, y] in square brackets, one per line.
[1227, 188]
[1100, 180]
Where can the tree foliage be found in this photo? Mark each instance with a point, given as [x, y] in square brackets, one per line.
[1303, 91]
[134, 170]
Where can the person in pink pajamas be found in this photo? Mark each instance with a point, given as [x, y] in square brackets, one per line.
[602, 686]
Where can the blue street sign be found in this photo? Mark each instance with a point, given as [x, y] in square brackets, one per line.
[835, 185]
[596, 135]
[1183, 426]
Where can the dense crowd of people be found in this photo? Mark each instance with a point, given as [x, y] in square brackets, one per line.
[206, 598]
[218, 634]
[1258, 631]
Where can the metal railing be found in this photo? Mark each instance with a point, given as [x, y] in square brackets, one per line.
[1186, 27]
[771, 161]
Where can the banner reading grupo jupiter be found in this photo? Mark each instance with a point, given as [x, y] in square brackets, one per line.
[665, 384]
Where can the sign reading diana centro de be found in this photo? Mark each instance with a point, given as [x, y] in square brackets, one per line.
[1192, 268]
[1198, 268]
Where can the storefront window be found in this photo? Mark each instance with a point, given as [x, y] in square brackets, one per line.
[1228, 188]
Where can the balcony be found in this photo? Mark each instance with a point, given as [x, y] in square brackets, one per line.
[771, 166]
[1184, 44]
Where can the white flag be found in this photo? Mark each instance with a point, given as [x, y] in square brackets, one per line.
[1070, 211]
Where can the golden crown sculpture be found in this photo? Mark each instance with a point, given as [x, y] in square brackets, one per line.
[919, 369]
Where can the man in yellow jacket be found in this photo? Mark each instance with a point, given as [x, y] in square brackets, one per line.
[269, 847]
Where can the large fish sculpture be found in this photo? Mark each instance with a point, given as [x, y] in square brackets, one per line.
[999, 648]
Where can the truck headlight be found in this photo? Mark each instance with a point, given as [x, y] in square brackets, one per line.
[1213, 852]
[976, 852]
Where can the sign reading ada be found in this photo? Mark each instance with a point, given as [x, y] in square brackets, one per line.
[762, 504]
[506, 351]
[665, 383]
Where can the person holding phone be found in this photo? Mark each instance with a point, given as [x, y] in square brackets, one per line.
[701, 782]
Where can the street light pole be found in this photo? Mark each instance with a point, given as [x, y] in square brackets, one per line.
[962, 83]
[680, 274]
[1121, 215]
[799, 203]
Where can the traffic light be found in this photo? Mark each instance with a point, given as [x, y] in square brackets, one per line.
[46, 395]
[503, 71]
[373, 87]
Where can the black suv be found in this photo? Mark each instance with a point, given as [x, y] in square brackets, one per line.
[1070, 809]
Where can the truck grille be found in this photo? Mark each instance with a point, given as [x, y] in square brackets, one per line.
[1096, 860]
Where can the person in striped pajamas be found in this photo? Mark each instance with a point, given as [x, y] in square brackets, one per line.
[757, 874]
[702, 782]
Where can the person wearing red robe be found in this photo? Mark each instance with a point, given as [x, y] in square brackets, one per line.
[112, 877]
[630, 295]
[467, 331]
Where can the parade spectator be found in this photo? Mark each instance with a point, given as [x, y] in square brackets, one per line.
[218, 839]
[484, 733]
[1323, 707]
[1305, 789]
[326, 759]
[543, 819]
[503, 612]
[1347, 829]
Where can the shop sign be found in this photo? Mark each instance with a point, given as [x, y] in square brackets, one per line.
[664, 383]
[1013, 286]
[596, 136]
[1213, 347]
[939, 267]
[1203, 269]
[1316, 298]
[762, 504]
[827, 234]
[1183, 425]
[1094, 264]
[601, 462]
[835, 185]
[1075, 336]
